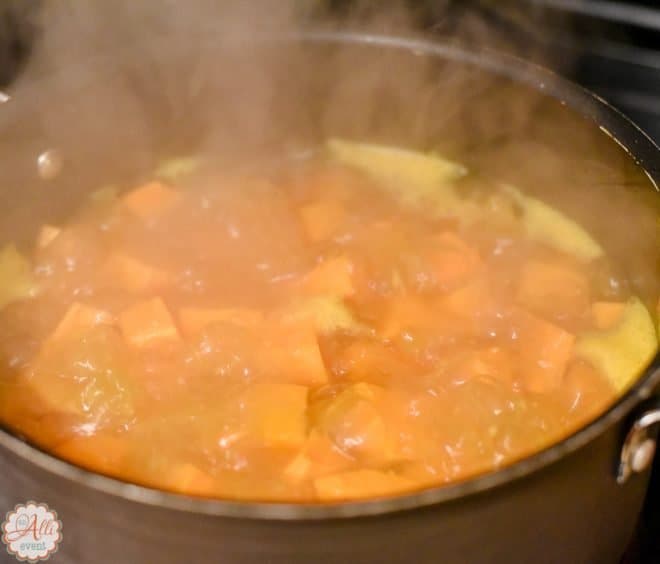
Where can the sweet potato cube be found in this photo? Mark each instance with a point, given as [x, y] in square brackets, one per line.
[324, 455]
[370, 360]
[187, 479]
[469, 300]
[292, 355]
[47, 235]
[452, 260]
[544, 350]
[362, 425]
[606, 315]
[194, 319]
[334, 277]
[404, 313]
[550, 287]
[298, 469]
[493, 363]
[276, 414]
[150, 200]
[101, 452]
[306, 363]
[360, 484]
[148, 323]
[132, 274]
[80, 316]
[355, 424]
[322, 219]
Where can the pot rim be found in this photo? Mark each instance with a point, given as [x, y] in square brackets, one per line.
[611, 121]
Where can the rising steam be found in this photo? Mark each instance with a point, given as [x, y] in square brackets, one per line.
[115, 86]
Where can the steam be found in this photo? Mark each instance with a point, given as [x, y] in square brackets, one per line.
[130, 66]
[115, 86]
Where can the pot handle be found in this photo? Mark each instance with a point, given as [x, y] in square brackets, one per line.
[639, 446]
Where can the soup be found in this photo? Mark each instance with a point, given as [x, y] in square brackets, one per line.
[363, 323]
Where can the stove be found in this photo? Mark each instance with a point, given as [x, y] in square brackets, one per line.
[618, 53]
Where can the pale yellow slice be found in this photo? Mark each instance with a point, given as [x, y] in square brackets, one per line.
[625, 350]
[173, 169]
[16, 282]
[326, 314]
[412, 177]
[545, 224]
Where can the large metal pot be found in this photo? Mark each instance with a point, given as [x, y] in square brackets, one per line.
[576, 502]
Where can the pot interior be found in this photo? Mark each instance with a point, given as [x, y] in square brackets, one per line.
[113, 120]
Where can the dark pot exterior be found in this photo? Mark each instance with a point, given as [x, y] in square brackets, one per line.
[572, 511]
[561, 506]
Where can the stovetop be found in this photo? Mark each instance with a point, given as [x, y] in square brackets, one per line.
[618, 48]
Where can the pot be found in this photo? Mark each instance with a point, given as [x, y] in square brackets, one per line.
[577, 501]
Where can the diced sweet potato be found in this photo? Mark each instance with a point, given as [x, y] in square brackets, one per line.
[150, 200]
[148, 323]
[276, 415]
[355, 424]
[451, 240]
[132, 275]
[291, 354]
[493, 363]
[101, 452]
[78, 317]
[544, 350]
[418, 472]
[444, 263]
[322, 219]
[453, 260]
[370, 360]
[606, 315]
[469, 300]
[334, 277]
[188, 479]
[86, 378]
[553, 289]
[403, 313]
[324, 455]
[298, 469]
[47, 235]
[360, 484]
[194, 319]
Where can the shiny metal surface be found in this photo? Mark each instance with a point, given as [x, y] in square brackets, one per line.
[640, 443]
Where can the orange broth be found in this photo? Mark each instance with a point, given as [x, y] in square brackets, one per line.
[298, 336]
